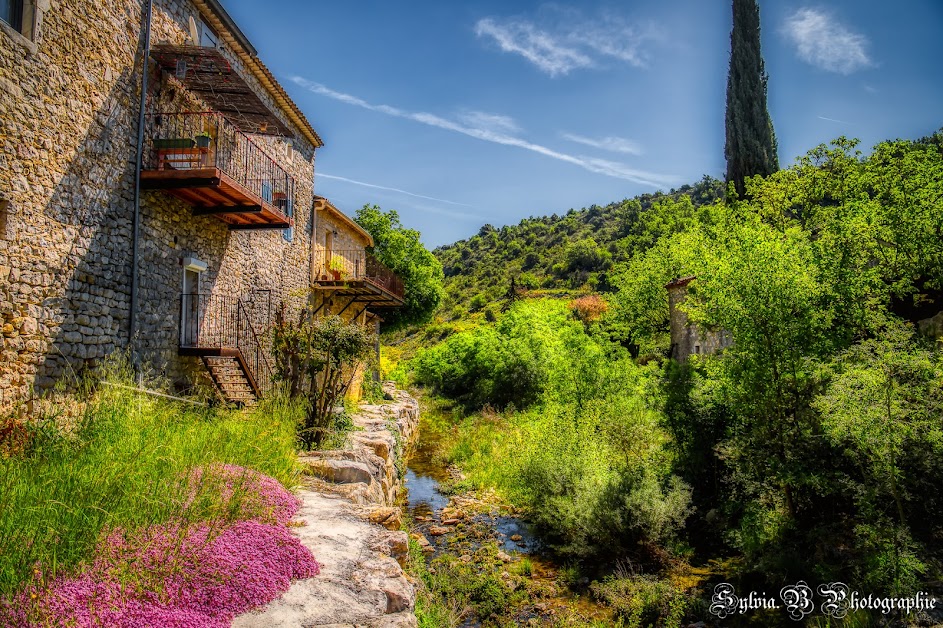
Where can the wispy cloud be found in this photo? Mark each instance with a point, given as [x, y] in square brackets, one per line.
[497, 134]
[832, 120]
[567, 41]
[547, 52]
[322, 175]
[614, 144]
[492, 121]
[825, 43]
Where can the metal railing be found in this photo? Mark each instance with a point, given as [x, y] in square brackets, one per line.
[195, 140]
[215, 322]
[358, 265]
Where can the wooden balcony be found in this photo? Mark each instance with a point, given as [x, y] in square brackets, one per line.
[359, 276]
[204, 160]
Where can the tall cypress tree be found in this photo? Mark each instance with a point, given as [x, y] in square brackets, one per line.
[751, 143]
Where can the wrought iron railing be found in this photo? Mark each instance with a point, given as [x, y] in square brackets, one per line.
[358, 265]
[196, 140]
[215, 322]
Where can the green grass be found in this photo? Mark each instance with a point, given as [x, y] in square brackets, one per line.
[125, 463]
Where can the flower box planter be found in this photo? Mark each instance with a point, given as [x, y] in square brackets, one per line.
[174, 142]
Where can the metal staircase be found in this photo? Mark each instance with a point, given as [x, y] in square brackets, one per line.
[225, 333]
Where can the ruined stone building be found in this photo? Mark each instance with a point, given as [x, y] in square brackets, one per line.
[688, 339]
[178, 228]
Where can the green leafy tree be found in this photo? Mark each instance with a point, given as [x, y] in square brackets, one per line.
[888, 392]
[764, 288]
[400, 250]
[751, 144]
[318, 358]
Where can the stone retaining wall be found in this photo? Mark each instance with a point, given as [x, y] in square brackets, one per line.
[352, 527]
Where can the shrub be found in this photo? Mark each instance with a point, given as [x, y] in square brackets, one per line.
[509, 363]
[477, 302]
[589, 308]
[642, 600]
[318, 359]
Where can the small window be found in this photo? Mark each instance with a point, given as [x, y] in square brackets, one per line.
[287, 208]
[11, 12]
[208, 37]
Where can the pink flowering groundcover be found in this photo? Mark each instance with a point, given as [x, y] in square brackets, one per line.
[175, 575]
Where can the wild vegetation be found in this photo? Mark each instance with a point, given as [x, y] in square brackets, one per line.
[556, 255]
[399, 249]
[318, 359]
[132, 507]
[808, 450]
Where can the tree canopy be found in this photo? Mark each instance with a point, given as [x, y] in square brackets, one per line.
[400, 250]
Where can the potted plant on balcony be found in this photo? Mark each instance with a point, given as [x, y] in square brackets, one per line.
[203, 140]
[173, 142]
[336, 266]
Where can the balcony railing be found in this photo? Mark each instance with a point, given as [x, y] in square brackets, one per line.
[215, 322]
[358, 265]
[176, 141]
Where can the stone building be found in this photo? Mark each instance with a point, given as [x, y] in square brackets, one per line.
[688, 339]
[346, 280]
[176, 229]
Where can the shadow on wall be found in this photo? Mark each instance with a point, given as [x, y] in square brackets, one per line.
[70, 276]
[68, 296]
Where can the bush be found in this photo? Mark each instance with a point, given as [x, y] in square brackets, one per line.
[510, 363]
[477, 302]
[597, 481]
[589, 308]
[644, 600]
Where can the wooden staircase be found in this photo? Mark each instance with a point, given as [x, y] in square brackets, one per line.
[232, 378]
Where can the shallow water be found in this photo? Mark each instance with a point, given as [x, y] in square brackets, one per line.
[425, 502]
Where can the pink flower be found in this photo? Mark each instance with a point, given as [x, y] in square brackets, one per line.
[170, 575]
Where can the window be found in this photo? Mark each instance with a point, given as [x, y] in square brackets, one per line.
[11, 12]
[208, 38]
[287, 233]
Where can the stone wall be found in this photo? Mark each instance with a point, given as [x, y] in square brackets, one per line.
[688, 339]
[66, 169]
[68, 126]
[347, 495]
[368, 469]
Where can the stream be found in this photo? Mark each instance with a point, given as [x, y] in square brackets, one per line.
[460, 524]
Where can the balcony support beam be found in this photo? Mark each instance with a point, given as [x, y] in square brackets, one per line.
[227, 209]
[257, 227]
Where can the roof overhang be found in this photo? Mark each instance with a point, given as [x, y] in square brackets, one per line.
[229, 32]
[209, 75]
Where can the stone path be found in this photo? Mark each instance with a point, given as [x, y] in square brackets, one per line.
[361, 583]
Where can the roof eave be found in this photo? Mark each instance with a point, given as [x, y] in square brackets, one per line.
[230, 33]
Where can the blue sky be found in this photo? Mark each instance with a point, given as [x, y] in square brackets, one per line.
[458, 114]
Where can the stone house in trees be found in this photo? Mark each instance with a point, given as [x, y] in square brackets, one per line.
[688, 339]
[157, 194]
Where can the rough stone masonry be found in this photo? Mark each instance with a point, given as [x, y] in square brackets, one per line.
[351, 524]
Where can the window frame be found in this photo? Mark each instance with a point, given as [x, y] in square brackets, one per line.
[207, 33]
[18, 9]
